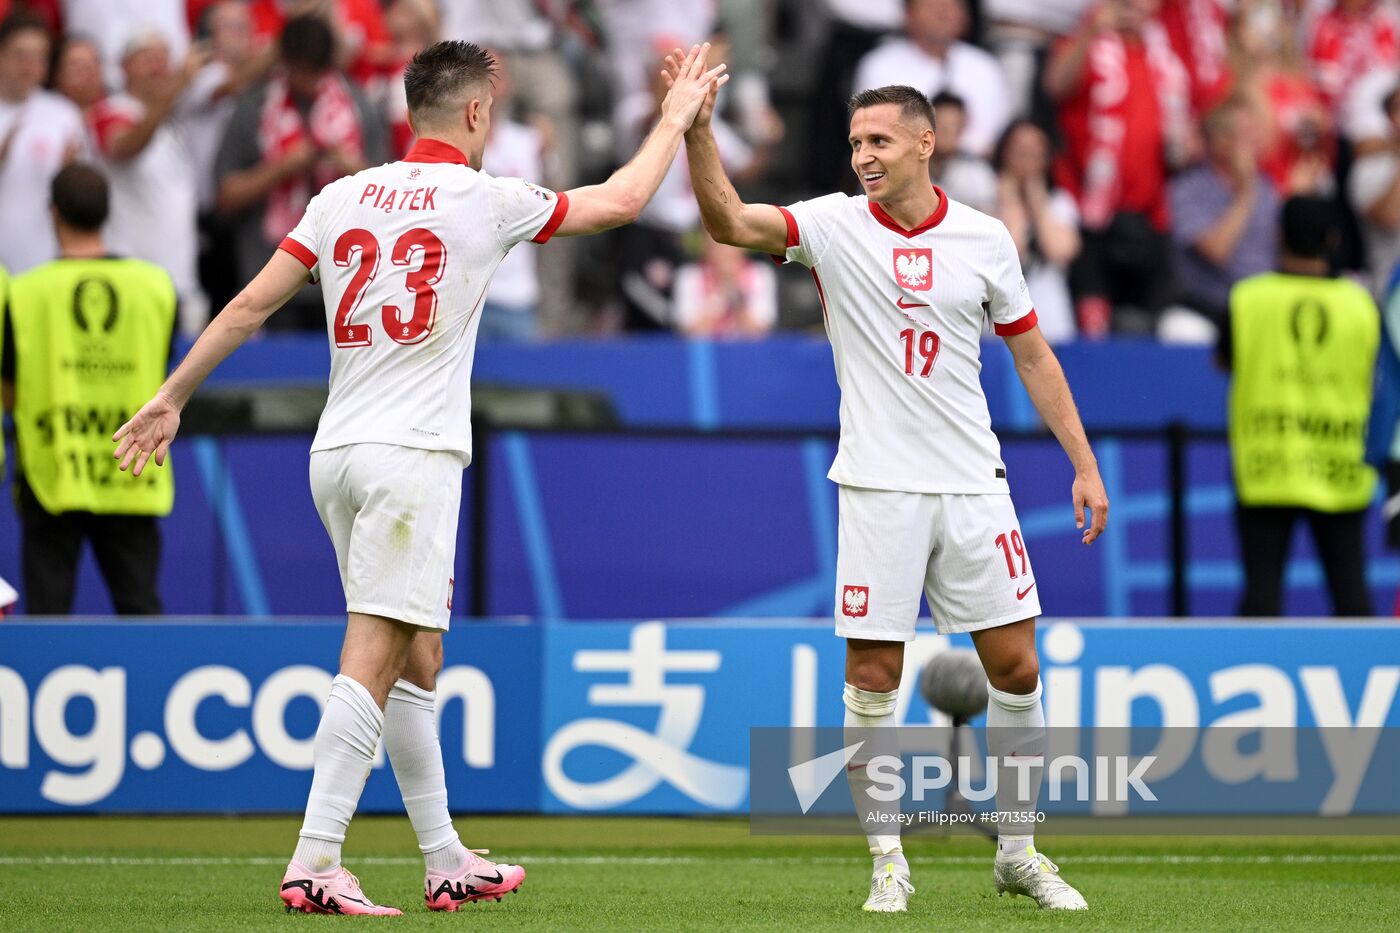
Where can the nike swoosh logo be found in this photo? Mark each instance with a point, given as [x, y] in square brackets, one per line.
[905, 307]
[1021, 594]
[496, 880]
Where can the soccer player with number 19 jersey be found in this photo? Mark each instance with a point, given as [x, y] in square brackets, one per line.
[405, 252]
[907, 278]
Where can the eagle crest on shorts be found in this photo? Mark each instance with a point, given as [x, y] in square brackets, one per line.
[855, 600]
[913, 268]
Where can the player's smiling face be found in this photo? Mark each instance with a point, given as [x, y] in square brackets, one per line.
[887, 152]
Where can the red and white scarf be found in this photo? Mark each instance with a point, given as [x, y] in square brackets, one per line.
[1108, 102]
[330, 123]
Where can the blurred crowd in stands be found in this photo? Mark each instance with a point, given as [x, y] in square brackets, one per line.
[1138, 150]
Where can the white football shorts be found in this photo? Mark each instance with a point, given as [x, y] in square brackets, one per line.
[391, 513]
[964, 552]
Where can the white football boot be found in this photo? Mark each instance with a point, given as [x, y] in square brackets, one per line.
[889, 891]
[1038, 878]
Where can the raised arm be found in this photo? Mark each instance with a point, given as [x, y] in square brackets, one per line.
[760, 227]
[620, 199]
[1064, 72]
[151, 429]
[129, 142]
[1043, 378]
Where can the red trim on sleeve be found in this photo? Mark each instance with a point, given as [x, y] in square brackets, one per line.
[298, 251]
[561, 210]
[793, 237]
[1018, 326]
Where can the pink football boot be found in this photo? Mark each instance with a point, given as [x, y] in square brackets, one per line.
[476, 880]
[333, 892]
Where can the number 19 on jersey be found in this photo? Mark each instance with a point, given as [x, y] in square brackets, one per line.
[925, 343]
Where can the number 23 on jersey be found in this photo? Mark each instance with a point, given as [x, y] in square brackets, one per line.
[359, 246]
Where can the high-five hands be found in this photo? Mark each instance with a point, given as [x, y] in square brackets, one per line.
[692, 88]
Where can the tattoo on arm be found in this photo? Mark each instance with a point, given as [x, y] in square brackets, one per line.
[723, 189]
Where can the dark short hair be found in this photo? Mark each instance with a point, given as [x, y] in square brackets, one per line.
[1310, 227]
[911, 102]
[21, 21]
[309, 42]
[437, 75]
[948, 99]
[79, 194]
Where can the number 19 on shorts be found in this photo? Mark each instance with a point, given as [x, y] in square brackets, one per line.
[920, 351]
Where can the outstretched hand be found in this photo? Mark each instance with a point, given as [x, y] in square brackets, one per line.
[149, 432]
[1088, 493]
[691, 98]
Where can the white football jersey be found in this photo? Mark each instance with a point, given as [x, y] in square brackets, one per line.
[405, 251]
[904, 310]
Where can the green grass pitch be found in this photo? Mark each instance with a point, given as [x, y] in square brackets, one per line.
[212, 873]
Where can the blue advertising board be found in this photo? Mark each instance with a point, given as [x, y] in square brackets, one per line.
[221, 716]
[587, 526]
[650, 717]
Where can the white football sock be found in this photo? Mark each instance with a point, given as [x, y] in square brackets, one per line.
[344, 749]
[1016, 728]
[870, 719]
[411, 738]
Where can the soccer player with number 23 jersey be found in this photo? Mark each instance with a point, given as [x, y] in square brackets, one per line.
[404, 253]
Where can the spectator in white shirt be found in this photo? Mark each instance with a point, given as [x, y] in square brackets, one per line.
[40, 132]
[513, 150]
[151, 171]
[933, 58]
[962, 176]
[113, 24]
